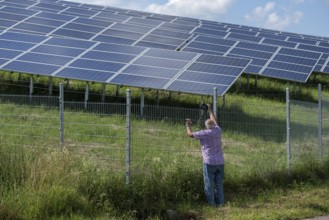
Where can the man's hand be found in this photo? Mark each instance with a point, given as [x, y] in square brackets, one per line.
[188, 122]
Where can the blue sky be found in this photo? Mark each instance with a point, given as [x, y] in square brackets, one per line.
[297, 16]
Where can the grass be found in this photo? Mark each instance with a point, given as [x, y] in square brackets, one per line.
[86, 180]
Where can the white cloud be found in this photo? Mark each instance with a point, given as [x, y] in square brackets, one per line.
[204, 9]
[269, 16]
[280, 22]
[260, 12]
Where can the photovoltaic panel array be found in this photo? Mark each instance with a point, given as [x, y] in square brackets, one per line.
[118, 64]
[275, 54]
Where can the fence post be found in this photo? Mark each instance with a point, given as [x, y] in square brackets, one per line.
[142, 102]
[128, 111]
[86, 96]
[31, 88]
[214, 101]
[288, 131]
[61, 114]
[320, 150]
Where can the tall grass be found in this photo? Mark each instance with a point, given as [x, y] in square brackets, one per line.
[86, 179]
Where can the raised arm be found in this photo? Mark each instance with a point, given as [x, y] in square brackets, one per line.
[188, 124]
[211, 114]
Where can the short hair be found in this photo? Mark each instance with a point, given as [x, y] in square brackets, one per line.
[210, 124]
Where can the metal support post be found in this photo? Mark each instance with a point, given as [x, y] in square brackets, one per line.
[320, 150]
[104, 92]
[31, 88]
[214, 102]
[142, 102]
[61, 114]
[117, 92]
[50, 86]
[158, 98]
[288, 131]
[128, 111]
[86, 96]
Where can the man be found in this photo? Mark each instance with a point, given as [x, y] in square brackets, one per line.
[213, 159]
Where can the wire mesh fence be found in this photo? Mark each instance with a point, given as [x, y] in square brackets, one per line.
[254, 135]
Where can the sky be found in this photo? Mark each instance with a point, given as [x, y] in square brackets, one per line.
[298, 16]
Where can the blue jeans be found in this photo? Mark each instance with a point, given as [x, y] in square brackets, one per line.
[213, 176]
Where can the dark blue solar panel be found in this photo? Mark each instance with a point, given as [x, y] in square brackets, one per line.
[241, 31]
[297, 60]
[169, 33]
[55, 7]
[258, 62]
[93, 22]
[83, 74]
[75, 43]
[146, 22]
[45, 21]
[43, 9]
[197, 88]
[82, 27]
[56, 50]
[112, 17]
[318, 68]
[214, 40]
[6, 23]
[9, 54]
[27, 67]
[35, 28]
[259, 47]
[23, 37]
[139, 81]
[97, 65]
[194, 50]
[178, 27]
[279, 43]
[290, 67]
[163, 40]
[80, 11]
[159, 62]
[300, 53]
[284, 74]
[207, 78]
[72, 33]
[3, 61]
[155, 45]
[55, 16]
[253, 69]
[123, 34]
[151, 71]
[326, 69]
[272, 36]
[12, 5]
[244, 37]
[12, 17]
[170, 54]
[15, 45]
[223, 60]
[300, 40]
[107, 56]
[208, 47]
[119, 48]
[313, 48]
[251, 53]
[214, 27]
[216, 69]
[19, 11]
[324, 44]
[46, 59]
[131, 28]
[114, 40]
[210, 32]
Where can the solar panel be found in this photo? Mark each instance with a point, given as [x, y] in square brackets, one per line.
[117, 64]
[92, 24]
